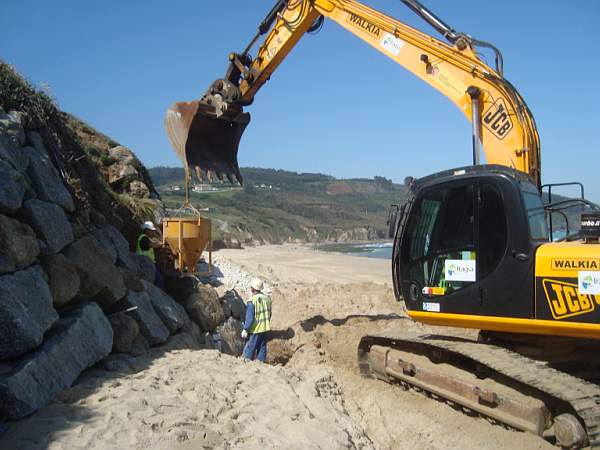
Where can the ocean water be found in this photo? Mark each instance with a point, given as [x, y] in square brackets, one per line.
[381, 250]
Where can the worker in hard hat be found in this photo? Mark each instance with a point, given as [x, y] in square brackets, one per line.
[146, 242]
[257, 323]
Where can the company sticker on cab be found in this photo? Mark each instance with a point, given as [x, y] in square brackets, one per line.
[431, 307]
[433, 290]
[392, 44]
[459, 270]
[589, 282]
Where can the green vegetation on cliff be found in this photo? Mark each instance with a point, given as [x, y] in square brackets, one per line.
[279, 206]
[82, 156]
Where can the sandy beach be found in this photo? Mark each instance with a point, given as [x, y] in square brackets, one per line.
[310, 395]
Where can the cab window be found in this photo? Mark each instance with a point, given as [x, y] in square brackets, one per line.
[536, 216]
[441, 247]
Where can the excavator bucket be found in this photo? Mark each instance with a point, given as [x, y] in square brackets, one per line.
[204, 141]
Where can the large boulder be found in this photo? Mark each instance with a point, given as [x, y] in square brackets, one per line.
[231, 340]
[151, 327]
[122, 154]
[180, 287]
[118, 362]
[132, 280]
[26, 311]
[119, 173]
[100, 279]
[11, 127]
[117, 246]
[63, 279]
[76, 342]
[50, 223]
[104, 243]
[191, 328]
[12, 188]
[171, 313]
[139, 189]
[204, 308]
[11, 152]
[18, 245]
[123, 168]
[46, 180]
[233, 303]
[146, 269]
[140, 346]
[125, 330]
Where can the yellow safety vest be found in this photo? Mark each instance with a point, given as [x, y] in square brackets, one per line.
[262, 314]
[138, 249]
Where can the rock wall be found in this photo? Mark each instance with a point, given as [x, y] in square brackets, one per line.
[71, 290]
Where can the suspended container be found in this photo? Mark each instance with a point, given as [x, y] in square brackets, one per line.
[188, 238]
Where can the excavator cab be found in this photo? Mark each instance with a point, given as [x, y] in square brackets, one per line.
[464, 233]
[473, 249]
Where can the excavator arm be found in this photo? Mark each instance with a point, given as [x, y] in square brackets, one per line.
[206, 133]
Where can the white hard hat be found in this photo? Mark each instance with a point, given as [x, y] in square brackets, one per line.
[256, 284]
[148, 225]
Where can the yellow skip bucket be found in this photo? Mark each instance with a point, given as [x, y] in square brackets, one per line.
[188, 237]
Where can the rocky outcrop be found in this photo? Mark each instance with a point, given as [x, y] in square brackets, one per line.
[100, 279]
[126, 173]
[18, 245]
[50, 224]
[139, 189]
[77, 341]
[204, 308]
[26, 311]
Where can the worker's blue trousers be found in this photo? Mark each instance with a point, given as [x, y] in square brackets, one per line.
[256, 347]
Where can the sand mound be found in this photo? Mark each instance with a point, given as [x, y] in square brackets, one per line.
[196, 399]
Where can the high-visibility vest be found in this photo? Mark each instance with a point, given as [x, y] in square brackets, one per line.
[138, 249]
[262, 314]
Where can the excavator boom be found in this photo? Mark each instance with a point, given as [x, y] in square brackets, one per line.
[206, 133]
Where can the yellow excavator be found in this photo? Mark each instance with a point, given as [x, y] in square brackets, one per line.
[474, 247]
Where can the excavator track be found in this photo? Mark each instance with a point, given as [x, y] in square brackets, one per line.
[549, 402]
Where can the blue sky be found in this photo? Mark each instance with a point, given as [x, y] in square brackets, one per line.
[335, 105]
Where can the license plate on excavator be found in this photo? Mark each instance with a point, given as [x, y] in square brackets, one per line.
[204, 141]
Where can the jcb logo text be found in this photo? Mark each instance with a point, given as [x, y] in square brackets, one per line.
[566, 301]
[497, 120]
